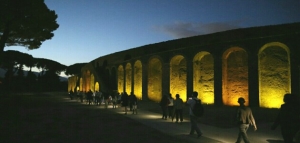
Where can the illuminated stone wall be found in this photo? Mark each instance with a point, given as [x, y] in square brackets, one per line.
[120, 79]
[203, 78]
[128, 73]
[92, 83]
[221, 67]
[72, 83]
[97, 86]
[155, 80]
[235, 76]
[137, 79]
[87, 81]
[178, 77]
[81, 84]
[274, 74]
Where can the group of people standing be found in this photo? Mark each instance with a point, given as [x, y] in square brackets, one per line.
[288, 117]
[172, 107]
[96, 98]
[129, 100]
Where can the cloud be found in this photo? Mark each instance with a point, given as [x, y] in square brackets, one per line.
[186, 29]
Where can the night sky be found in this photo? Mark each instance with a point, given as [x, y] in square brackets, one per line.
[93, 28]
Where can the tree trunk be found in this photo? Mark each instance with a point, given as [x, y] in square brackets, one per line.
[3, 40]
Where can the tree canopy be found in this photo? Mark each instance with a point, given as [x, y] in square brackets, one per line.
[25, 23]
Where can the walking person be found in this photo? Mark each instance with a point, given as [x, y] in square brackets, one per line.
[89, 96]
[171, 106]
[288, 118]
[193, 119]
[245, 119]
[106, 99]
[178, 107]
[124, 100]
[164, 106]
[133, 101]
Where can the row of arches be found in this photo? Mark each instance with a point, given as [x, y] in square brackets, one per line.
[273, 76]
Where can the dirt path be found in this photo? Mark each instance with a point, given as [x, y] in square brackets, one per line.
[47, 118]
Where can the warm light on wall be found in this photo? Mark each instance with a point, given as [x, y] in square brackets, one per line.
[178, 77]
[97, 86]
[87, 81]
[203, 76]
[72, 83]
[92, 83]
[235, 76]
[274, 74]
[155, 80]
[120, 79]
[137, 78]
[81, 84]
[128, 76]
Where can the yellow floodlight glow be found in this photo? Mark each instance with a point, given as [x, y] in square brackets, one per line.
[120, 79]
[274, 74]
[137, 78]
[92, 83]
[178, 77]
[203, 76]
[97, 86]
[235, 76]
[155, 80]
[128, 79]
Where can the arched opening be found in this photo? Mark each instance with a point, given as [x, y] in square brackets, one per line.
[128, 77]
[274, 74]
[137, 79]
[178, 77]
[120, 79]
[155, 80]
[87, 81]
[81, 84]
[97, 86]
[235, 76]
[92, 83]
[203, 76]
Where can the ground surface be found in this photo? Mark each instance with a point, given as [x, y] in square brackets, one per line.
[47, 118]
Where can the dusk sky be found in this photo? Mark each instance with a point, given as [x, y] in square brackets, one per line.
[89, 29]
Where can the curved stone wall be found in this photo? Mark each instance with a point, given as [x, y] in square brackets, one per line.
[260, 64]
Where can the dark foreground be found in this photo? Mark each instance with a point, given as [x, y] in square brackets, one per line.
[46, 118]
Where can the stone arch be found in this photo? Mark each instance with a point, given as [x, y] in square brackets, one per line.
[81, 84]
[235, 76]
[87, 80]
[92, 83]
[137, 79]
[128, 78]
[203, 76]
[274, 75]
[155, 79]
[97, 86]
[178, 76]
[120, 79]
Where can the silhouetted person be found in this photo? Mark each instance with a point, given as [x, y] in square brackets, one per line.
[171, 106]
[164, 106]
[288, 118]
[124, 100]
[245, 119]
[89, 96]
[71, 94]
[178, 107]
[193, 119]
[97, 98]
[133, 102]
